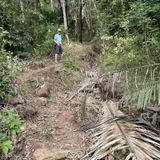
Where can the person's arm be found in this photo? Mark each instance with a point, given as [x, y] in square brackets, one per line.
[56, 42]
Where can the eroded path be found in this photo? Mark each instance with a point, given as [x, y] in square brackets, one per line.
[55, 129]
[52, 132]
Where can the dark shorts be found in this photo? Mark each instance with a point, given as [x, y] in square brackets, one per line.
[59, 49]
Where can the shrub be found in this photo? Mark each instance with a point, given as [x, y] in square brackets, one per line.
[10, 125]
[9, 68]
[122, 53]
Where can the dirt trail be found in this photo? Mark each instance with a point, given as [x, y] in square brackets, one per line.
[54, 127]
[31, 73]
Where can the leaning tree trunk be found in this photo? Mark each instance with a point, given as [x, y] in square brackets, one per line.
[65, 19]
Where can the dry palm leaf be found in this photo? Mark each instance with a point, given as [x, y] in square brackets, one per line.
[85, 85]
[124, 139]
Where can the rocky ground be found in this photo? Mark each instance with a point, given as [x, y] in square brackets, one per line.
[53, 133]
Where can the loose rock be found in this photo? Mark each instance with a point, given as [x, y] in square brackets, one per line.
[43, 91]
[41, 101]
[15, 100]
[26, 112]
[54, 154]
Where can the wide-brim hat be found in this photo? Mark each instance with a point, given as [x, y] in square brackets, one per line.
[59, 30]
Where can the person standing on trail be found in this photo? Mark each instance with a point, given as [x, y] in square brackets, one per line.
[58, 44]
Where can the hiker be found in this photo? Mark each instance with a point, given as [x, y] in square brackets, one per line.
[58, 45]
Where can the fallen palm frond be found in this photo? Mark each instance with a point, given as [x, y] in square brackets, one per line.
[88, 83]
[85, 85]
[124, 139]
[153, 116]
[140, 84]
[145, 96]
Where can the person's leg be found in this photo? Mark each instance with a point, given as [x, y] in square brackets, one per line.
[56, 58]
[56, 55]
[61, 52]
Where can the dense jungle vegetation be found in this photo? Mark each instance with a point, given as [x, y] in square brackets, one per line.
[127, 31]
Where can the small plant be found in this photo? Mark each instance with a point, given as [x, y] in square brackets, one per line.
[5, 84]
[67, 73]
[47, 133]
[5, 144]
[10, 125]
[13, 65]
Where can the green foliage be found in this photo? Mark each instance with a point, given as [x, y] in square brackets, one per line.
[5, 145]
[26, 30]
[70, 64]
[3, 37]
[136, 20]
[67, 73]
[9, 68]
[46, 47]
[71, 77]
[72, 73]
[6, 88]
[144, 86]
[140, 85]
[145, 96]
[130, 31]
[121, 53]
[10, 125]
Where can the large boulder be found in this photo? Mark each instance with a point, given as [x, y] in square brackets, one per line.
[50, 154]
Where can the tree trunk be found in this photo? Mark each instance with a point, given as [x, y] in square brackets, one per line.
[81, 22]
[76, 27]
[65, 19]
[22, 10]
[36, 4]
[59, 1]
[52, 4]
